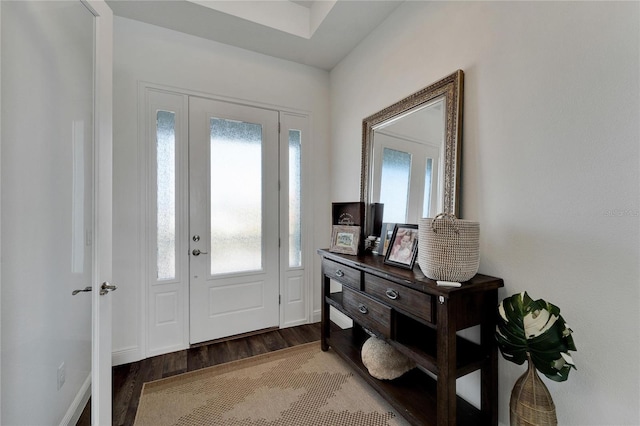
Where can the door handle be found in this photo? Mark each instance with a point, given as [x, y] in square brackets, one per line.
[106, 287]
[74, 292]
[197, 252]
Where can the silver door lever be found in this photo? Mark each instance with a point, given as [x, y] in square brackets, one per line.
[197, 252]
[106, 287]
[74, 292]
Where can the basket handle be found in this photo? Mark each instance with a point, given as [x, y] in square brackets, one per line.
[450, 216]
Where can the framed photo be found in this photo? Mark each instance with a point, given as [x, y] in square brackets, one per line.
[345, 239]
[403, 246]
[385, 236]
[349, 214]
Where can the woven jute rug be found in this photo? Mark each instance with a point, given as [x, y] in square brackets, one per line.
[297, 386]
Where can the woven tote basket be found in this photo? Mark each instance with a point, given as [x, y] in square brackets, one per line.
[448, 248]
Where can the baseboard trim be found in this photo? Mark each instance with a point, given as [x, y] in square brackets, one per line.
[339, 318]
[125, 356]
[76, 408]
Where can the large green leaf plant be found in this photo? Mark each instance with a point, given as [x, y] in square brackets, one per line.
[535, 330]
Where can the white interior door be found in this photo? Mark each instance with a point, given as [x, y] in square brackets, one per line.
[233, 203]
[56, 211]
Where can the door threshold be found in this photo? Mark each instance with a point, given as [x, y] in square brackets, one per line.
[234, 337]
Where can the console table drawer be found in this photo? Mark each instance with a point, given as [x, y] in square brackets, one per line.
[399, 296]
[368, 312]
[341, 273]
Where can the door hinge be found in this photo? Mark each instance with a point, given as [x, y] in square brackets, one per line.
[279, 299]
[279, 242]
[279, 128]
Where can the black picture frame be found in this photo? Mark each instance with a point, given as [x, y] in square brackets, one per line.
[403, 247]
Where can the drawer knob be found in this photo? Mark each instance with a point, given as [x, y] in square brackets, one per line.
[363, 309]
[339, 273]
[392, 294]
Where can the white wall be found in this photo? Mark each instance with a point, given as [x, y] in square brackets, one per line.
[550, 165]
[151, 54]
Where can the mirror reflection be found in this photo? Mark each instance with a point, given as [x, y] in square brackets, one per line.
[407, 153]
[411, 153]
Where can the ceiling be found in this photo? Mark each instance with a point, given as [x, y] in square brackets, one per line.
[318, 33]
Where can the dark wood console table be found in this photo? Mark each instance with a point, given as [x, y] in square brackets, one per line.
[420, 319]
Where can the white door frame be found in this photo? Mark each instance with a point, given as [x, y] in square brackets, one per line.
[147, 348]
[0, 211]
[102, 249]
[296, 283]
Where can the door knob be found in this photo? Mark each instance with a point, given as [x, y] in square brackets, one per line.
[197, 252]
[106, 287]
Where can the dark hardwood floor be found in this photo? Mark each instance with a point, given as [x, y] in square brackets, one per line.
[128, 378]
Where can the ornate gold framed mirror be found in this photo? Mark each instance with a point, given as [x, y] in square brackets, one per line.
[411, 154]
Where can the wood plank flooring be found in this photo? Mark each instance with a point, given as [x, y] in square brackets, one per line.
[129, 378]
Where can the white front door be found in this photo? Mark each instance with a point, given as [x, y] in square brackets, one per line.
[233, 193]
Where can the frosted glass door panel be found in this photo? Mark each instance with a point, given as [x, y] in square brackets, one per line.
[428, 182]
[166, 194]
[295, 191]
[236, 196]
[394, 186]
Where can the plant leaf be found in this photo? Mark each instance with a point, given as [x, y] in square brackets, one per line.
[550, 341]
